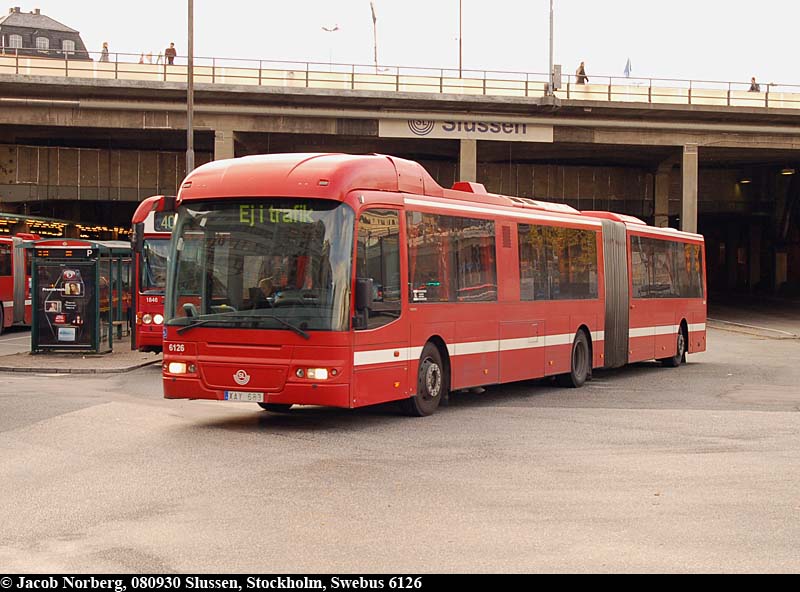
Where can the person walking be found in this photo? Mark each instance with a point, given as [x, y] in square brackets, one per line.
[581, 74]
[754, 86]
[170, 53]
[104, 52]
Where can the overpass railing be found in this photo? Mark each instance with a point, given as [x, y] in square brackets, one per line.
[333, 76]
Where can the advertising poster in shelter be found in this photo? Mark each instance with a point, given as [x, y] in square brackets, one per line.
[66, 305]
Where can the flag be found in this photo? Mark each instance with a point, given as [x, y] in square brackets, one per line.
[628, 69]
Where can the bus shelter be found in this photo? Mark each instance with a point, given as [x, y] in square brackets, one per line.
[81, 294]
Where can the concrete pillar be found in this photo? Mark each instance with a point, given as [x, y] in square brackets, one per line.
[689, 174]
[468, 161]
[223, 144]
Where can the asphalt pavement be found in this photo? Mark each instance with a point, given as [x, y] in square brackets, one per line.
[644, 469]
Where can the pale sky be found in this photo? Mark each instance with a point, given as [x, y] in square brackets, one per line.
[684, 39]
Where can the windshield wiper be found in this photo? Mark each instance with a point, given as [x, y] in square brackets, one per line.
[242, 320]
[193, 324]
[286, 324]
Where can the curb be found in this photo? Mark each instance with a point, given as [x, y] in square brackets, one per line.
[764, 332]
[77, 370]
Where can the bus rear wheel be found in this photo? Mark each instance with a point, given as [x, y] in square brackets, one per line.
[680, 352]
[432, 384]
[276, 407]
[580, 363]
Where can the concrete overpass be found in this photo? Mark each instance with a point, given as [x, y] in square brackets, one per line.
[717, 160]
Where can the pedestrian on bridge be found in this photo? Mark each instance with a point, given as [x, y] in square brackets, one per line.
[104, 52]
[754, 86]
[581, 74]
[170, 53]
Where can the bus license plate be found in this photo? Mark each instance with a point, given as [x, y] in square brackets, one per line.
[245, 397]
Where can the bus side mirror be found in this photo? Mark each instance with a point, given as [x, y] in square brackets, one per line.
[363, 293]
[137, 237]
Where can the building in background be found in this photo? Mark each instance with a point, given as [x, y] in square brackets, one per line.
[34, 34]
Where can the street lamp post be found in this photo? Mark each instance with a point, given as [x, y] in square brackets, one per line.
[551, 80]
[460, 34]
[374, 34]
[190, 94]
[332, 29]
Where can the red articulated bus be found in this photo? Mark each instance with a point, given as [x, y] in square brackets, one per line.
[151, 231]
[341, 280]
[15, 281]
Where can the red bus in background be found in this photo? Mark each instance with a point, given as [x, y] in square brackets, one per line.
[151, 232]
[15, 281]
[341, 280]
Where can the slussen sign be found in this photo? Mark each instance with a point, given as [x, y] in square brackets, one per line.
[465, 130]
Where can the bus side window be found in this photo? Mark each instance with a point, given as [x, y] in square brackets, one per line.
[5, 259]
[378, 258]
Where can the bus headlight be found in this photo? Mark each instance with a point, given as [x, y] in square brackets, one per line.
[317, 373]
[158, 319]
[147, 318]
[177, 368]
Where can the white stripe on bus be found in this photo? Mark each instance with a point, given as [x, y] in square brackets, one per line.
[662, 330]
[404, 354]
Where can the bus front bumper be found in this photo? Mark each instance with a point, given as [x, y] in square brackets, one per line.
[329, 395]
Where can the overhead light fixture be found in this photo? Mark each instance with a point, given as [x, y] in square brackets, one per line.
[787, 171]
[745, 181]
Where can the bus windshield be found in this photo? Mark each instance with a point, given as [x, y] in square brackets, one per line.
[154, 265]
[262, 264]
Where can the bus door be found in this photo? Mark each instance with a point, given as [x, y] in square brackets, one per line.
[6, 284]
[22, 288]
[380, 371]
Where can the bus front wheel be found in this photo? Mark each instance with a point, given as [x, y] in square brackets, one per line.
[580, 363]
[432, 384]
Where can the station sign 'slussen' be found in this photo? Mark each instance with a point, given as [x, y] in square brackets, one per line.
[508, 131]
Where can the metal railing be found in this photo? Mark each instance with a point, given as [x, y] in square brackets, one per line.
[359, 77]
